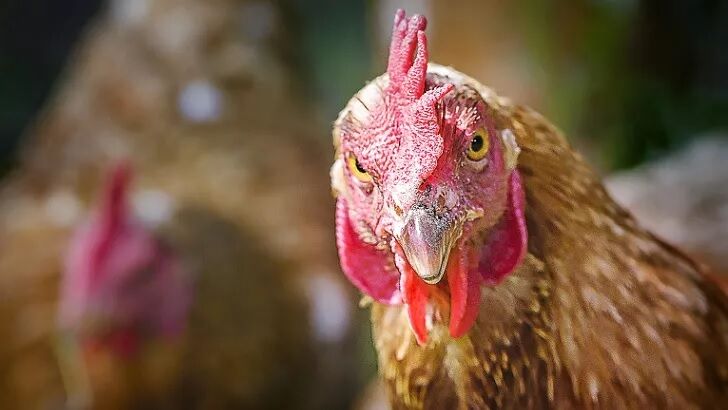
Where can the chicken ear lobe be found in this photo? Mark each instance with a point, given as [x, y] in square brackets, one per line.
[368, 268]
[507, 244]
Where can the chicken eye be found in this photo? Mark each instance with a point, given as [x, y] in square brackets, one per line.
[357, 170]
[479, 145]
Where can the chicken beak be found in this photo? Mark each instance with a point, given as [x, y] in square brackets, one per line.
[426, 239]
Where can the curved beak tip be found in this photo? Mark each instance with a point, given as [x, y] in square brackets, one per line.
[426, 239]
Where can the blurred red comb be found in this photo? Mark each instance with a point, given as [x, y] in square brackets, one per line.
[116, 191]
[113, 207]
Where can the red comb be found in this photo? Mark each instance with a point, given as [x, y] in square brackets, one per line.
[407, 67]
[406, 71]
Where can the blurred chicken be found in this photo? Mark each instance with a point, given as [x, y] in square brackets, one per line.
[227, 172]
[501, 273]
[127, 338]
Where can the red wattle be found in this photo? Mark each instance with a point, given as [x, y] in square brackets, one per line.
[464, 291]
[416, 296]
[124, 342]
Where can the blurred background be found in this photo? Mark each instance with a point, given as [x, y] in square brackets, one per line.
[225, 107]
[630, 79]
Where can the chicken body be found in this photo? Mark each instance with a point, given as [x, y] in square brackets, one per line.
[598, 313]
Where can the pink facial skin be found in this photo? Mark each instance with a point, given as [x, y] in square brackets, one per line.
[426, 198]
[120, 284]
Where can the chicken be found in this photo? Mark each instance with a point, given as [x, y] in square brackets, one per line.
[500, 272]
[227, 169]
[125, 298]
[120, 283]
[126, 295]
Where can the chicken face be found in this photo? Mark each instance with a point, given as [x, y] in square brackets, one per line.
[120, 283]
[430, 207]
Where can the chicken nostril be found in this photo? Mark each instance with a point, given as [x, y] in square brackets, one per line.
[441, 202]
[397, 210]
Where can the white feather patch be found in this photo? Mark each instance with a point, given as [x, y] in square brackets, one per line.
[63, 208]
[153, 207]
[338, 185]
[511, 148]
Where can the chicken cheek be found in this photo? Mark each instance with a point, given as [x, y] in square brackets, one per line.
[368, 268]
[508, 240]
